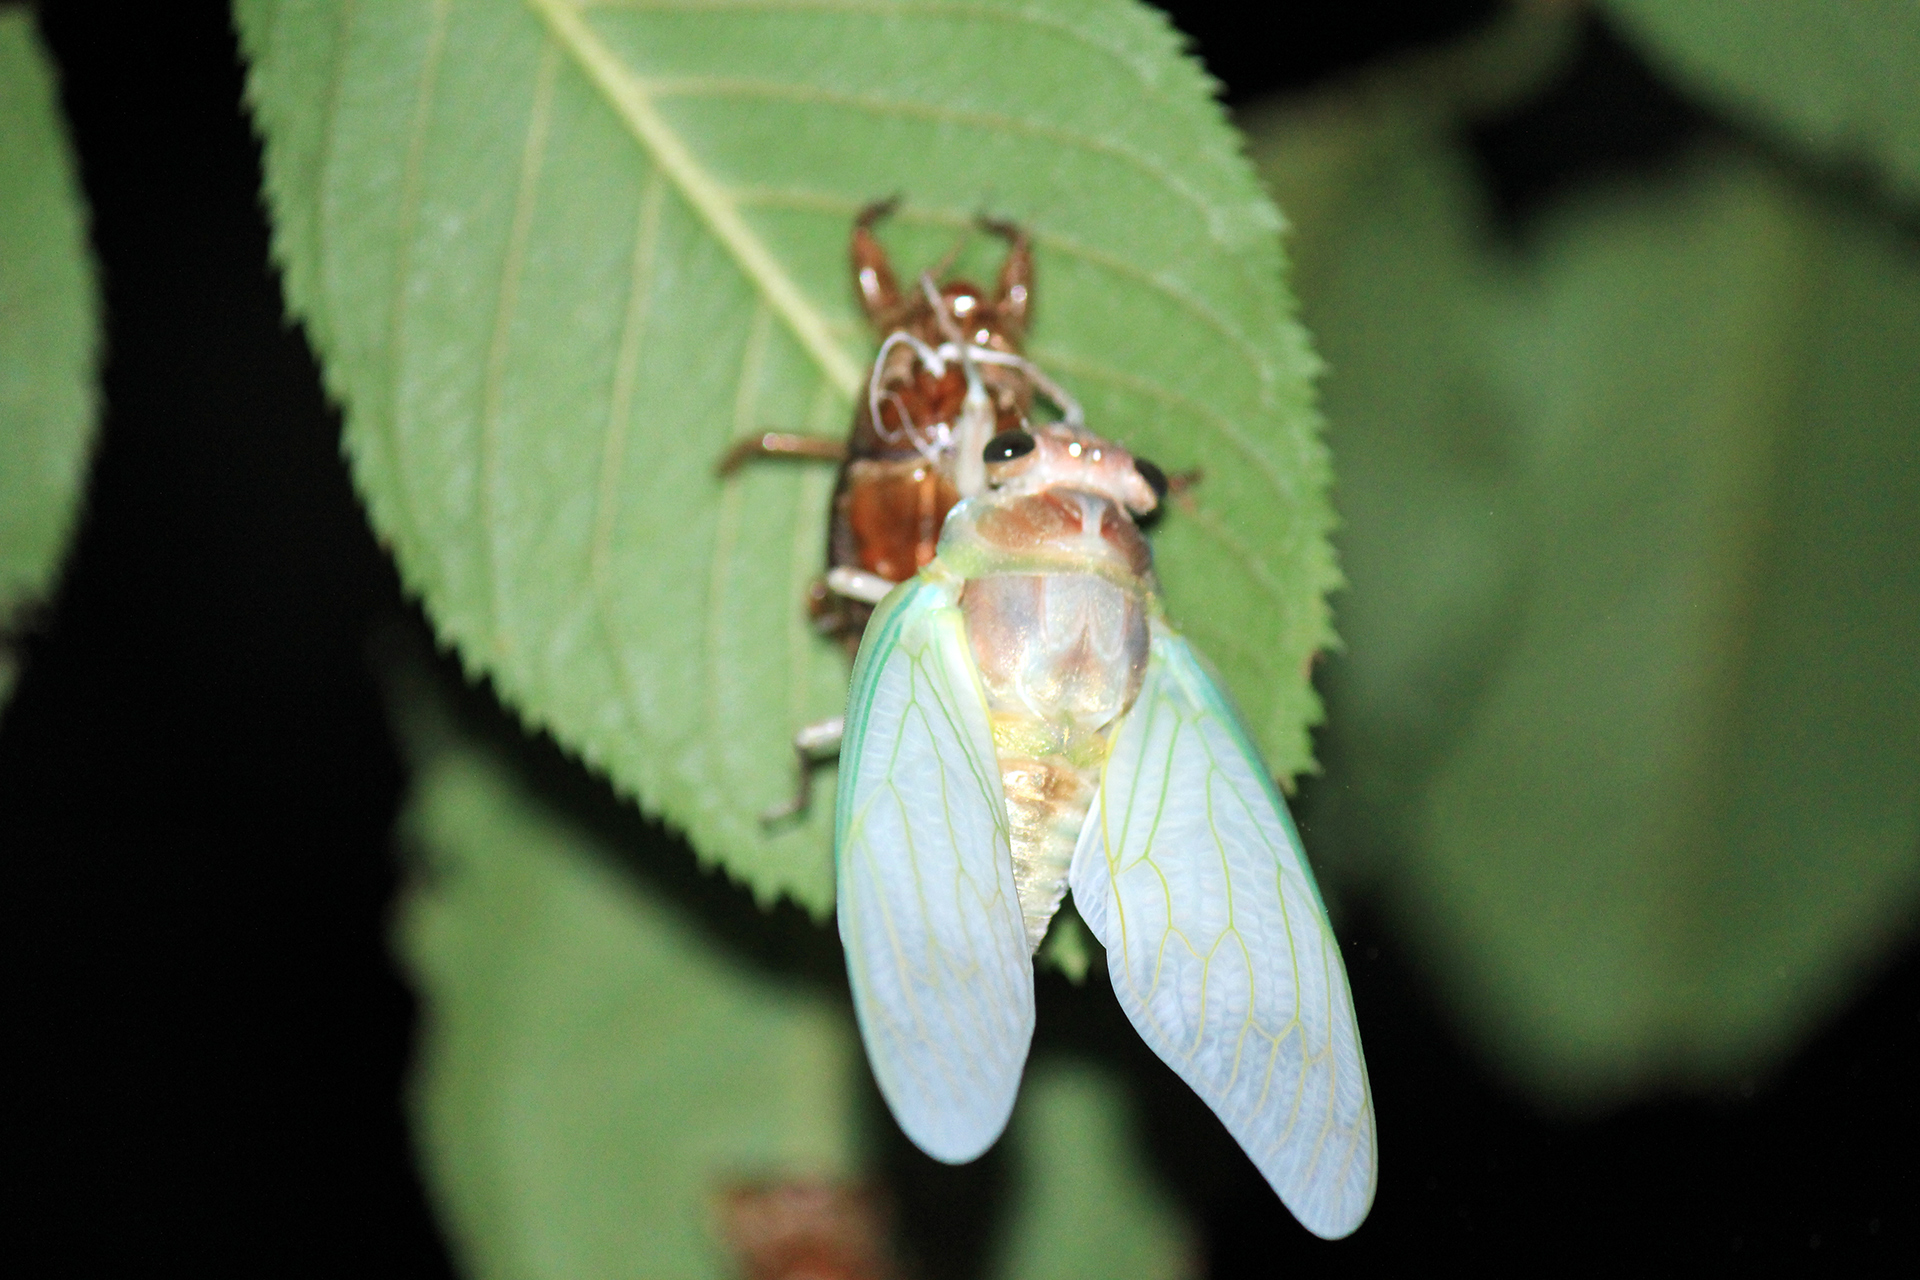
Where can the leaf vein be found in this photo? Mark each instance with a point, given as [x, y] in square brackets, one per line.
[1052, 242]
[752, 357]
[631, 98]
[410, 186]
[1223, 426]
[894, 9]
[613, 445]
[806, 556]
[735, 89]
[506, 303]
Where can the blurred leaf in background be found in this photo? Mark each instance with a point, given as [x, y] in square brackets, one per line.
[1391, 252]
[1090, 1207]
[1627, 726]
[598, 1066]
[49, 333]
[1835, 79]
[594, 1067]
[554, 258]
[1687, 812]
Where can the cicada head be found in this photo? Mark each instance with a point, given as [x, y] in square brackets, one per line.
[1057, 499]
[1057, 455]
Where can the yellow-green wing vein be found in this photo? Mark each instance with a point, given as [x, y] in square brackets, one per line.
[1190, 872]
[936, 950]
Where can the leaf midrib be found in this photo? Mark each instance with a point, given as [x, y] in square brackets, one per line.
[635, 100]
[632, 100]
[747, 88]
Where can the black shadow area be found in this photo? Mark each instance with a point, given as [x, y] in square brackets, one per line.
[196, 781]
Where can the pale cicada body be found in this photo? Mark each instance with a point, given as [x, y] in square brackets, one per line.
[1022, 721]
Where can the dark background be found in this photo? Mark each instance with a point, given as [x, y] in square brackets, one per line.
[197, 787]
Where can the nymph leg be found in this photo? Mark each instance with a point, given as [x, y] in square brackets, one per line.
[1016, 275]
[781, 444]
[872, 272]
[813, 746]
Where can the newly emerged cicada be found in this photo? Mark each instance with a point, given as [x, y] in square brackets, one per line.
[1024, 720]
[949, 375]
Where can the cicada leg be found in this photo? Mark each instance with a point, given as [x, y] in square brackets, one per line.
[836, 617]
[781, 444]
[819, 742]
[858, 584]
[813, 746]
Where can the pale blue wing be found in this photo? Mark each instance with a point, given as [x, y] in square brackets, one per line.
[1190, 872]
[937, 953]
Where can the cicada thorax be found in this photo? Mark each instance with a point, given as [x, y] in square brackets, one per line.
[903, 469]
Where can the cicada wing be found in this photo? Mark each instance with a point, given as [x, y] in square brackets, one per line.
[1190, 872]
[937, 953]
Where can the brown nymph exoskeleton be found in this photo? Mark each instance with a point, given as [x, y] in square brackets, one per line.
[805, 1229]
[948, 377]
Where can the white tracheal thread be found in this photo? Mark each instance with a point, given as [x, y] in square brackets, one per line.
[1070, 411]
[928, 446]
[977, 418]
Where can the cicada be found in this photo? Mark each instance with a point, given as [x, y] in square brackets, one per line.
[1022, 720]
[948, 376]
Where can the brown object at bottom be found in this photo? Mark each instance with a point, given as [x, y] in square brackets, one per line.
[805, 1230]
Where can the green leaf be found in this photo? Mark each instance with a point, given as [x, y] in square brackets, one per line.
[594, 1066]
[1090, 1207]
[1626, 731]
[1837, 79]
[555, 258]
[1686, 813]
[1397, 282]
[49, 331]
[1402, 297]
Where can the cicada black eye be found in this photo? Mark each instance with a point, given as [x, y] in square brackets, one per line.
[1007, 446]
[1156, 478]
